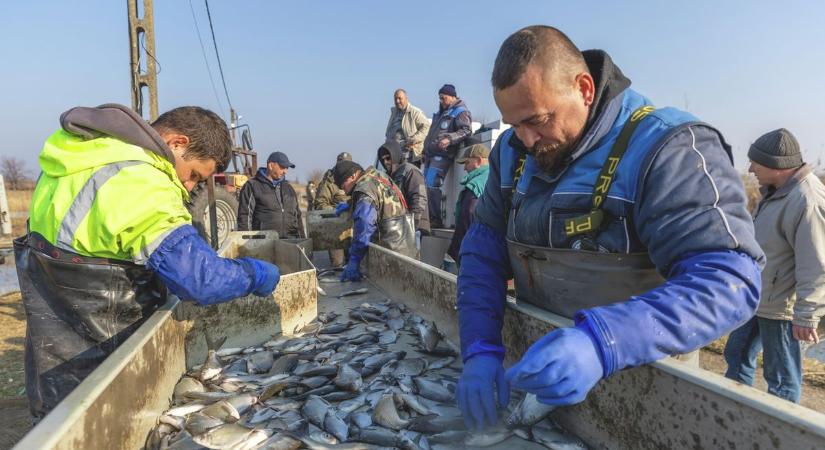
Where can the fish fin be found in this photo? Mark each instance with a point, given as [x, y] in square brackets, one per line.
[213, 344]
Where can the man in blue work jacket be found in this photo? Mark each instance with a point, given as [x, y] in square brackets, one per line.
[627, 218]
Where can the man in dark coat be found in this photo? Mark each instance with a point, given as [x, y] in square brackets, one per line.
[268, 202]
[411, 181]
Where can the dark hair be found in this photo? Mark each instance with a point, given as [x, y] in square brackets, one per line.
[207, 132]
[540, 44]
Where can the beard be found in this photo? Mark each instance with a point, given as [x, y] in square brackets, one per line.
[549, 156]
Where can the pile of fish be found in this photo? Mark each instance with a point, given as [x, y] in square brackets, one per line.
[380, 378]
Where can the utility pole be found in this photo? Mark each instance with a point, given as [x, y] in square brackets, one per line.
[143, 27]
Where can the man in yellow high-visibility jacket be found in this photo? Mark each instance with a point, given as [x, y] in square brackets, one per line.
[108, 229]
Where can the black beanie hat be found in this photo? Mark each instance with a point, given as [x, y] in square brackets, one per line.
[778, 149]
[448, 89]
[344, 170]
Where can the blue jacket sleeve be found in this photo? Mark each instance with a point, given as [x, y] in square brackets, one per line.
[192, 270]
[482, 289]
[364, 224]
[706, 295]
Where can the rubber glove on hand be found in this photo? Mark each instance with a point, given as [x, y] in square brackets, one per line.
[351, 272]
[560, 368]
[341, 207]
[266, 277]
[475, 396]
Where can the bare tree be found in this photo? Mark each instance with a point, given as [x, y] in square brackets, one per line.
[315, 175]
[15, 174]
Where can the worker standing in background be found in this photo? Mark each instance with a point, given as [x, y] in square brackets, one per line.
[411, 181]
[477, 170]
[108, 230]
[790, 225]
[408, 126]
[630, 220]
[269, 202]
[379, 213]
[310, 195]
[329, 196]
[451, 126]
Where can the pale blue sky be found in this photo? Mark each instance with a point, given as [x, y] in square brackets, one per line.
[314, 78]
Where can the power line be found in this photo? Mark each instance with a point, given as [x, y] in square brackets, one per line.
[217, 55]
[206, 59]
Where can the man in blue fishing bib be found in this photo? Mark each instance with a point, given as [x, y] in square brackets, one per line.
[627, 218]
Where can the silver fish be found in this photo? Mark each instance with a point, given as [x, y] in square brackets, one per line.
[198, 423]
[433, 390]
[556, 439]
[260, 362]
[280, 441]
[212, 367]
[186, 385]
[529, 412]
[360, 291]
[488, 437]
[315, 409]
[223, 436]
[428, 335]
[361, 419]
[348, 379]
[386, 414]
[335, 426]
[222, 410]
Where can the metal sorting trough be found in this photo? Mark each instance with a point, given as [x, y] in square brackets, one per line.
[667, 404]
[120, 402]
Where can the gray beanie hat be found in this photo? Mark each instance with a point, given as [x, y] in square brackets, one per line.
[778, 149]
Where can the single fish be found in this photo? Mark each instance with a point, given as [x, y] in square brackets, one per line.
[284, 364]
[335, 426]
[395, 324]
[313, 382]
[315, 409]
[348, 379]
[411, 402]
[337, 396]
[231, 351]
[386, 414]
[319, 435]
[428, 335]
[556, 439]
[335, 328]
[223, 436]
[174, 421]
[433, 390]
[448, 437]
[242, 402]
[442, 363]
[487, 437]
[361, 419]
[327, 317]
[388, 337]
[528, 412]
[321, 291]
[212, 367]
[223, 411]
[186, 409]
[186, 385]
[260, 362]
[198, 423]
[360, 291]
[280, 441]
[378, 436]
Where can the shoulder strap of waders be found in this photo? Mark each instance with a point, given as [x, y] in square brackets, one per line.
[591, 222]
[395, 189]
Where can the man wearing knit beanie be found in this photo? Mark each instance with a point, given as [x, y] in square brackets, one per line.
[451, 126]
[790, 224]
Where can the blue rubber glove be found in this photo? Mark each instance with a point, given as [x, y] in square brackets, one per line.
[475, 391]
[266, 276]
[341, 207]
[351, 272]
[560, 368]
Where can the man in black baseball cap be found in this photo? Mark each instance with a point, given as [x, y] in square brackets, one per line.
[268, 202]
